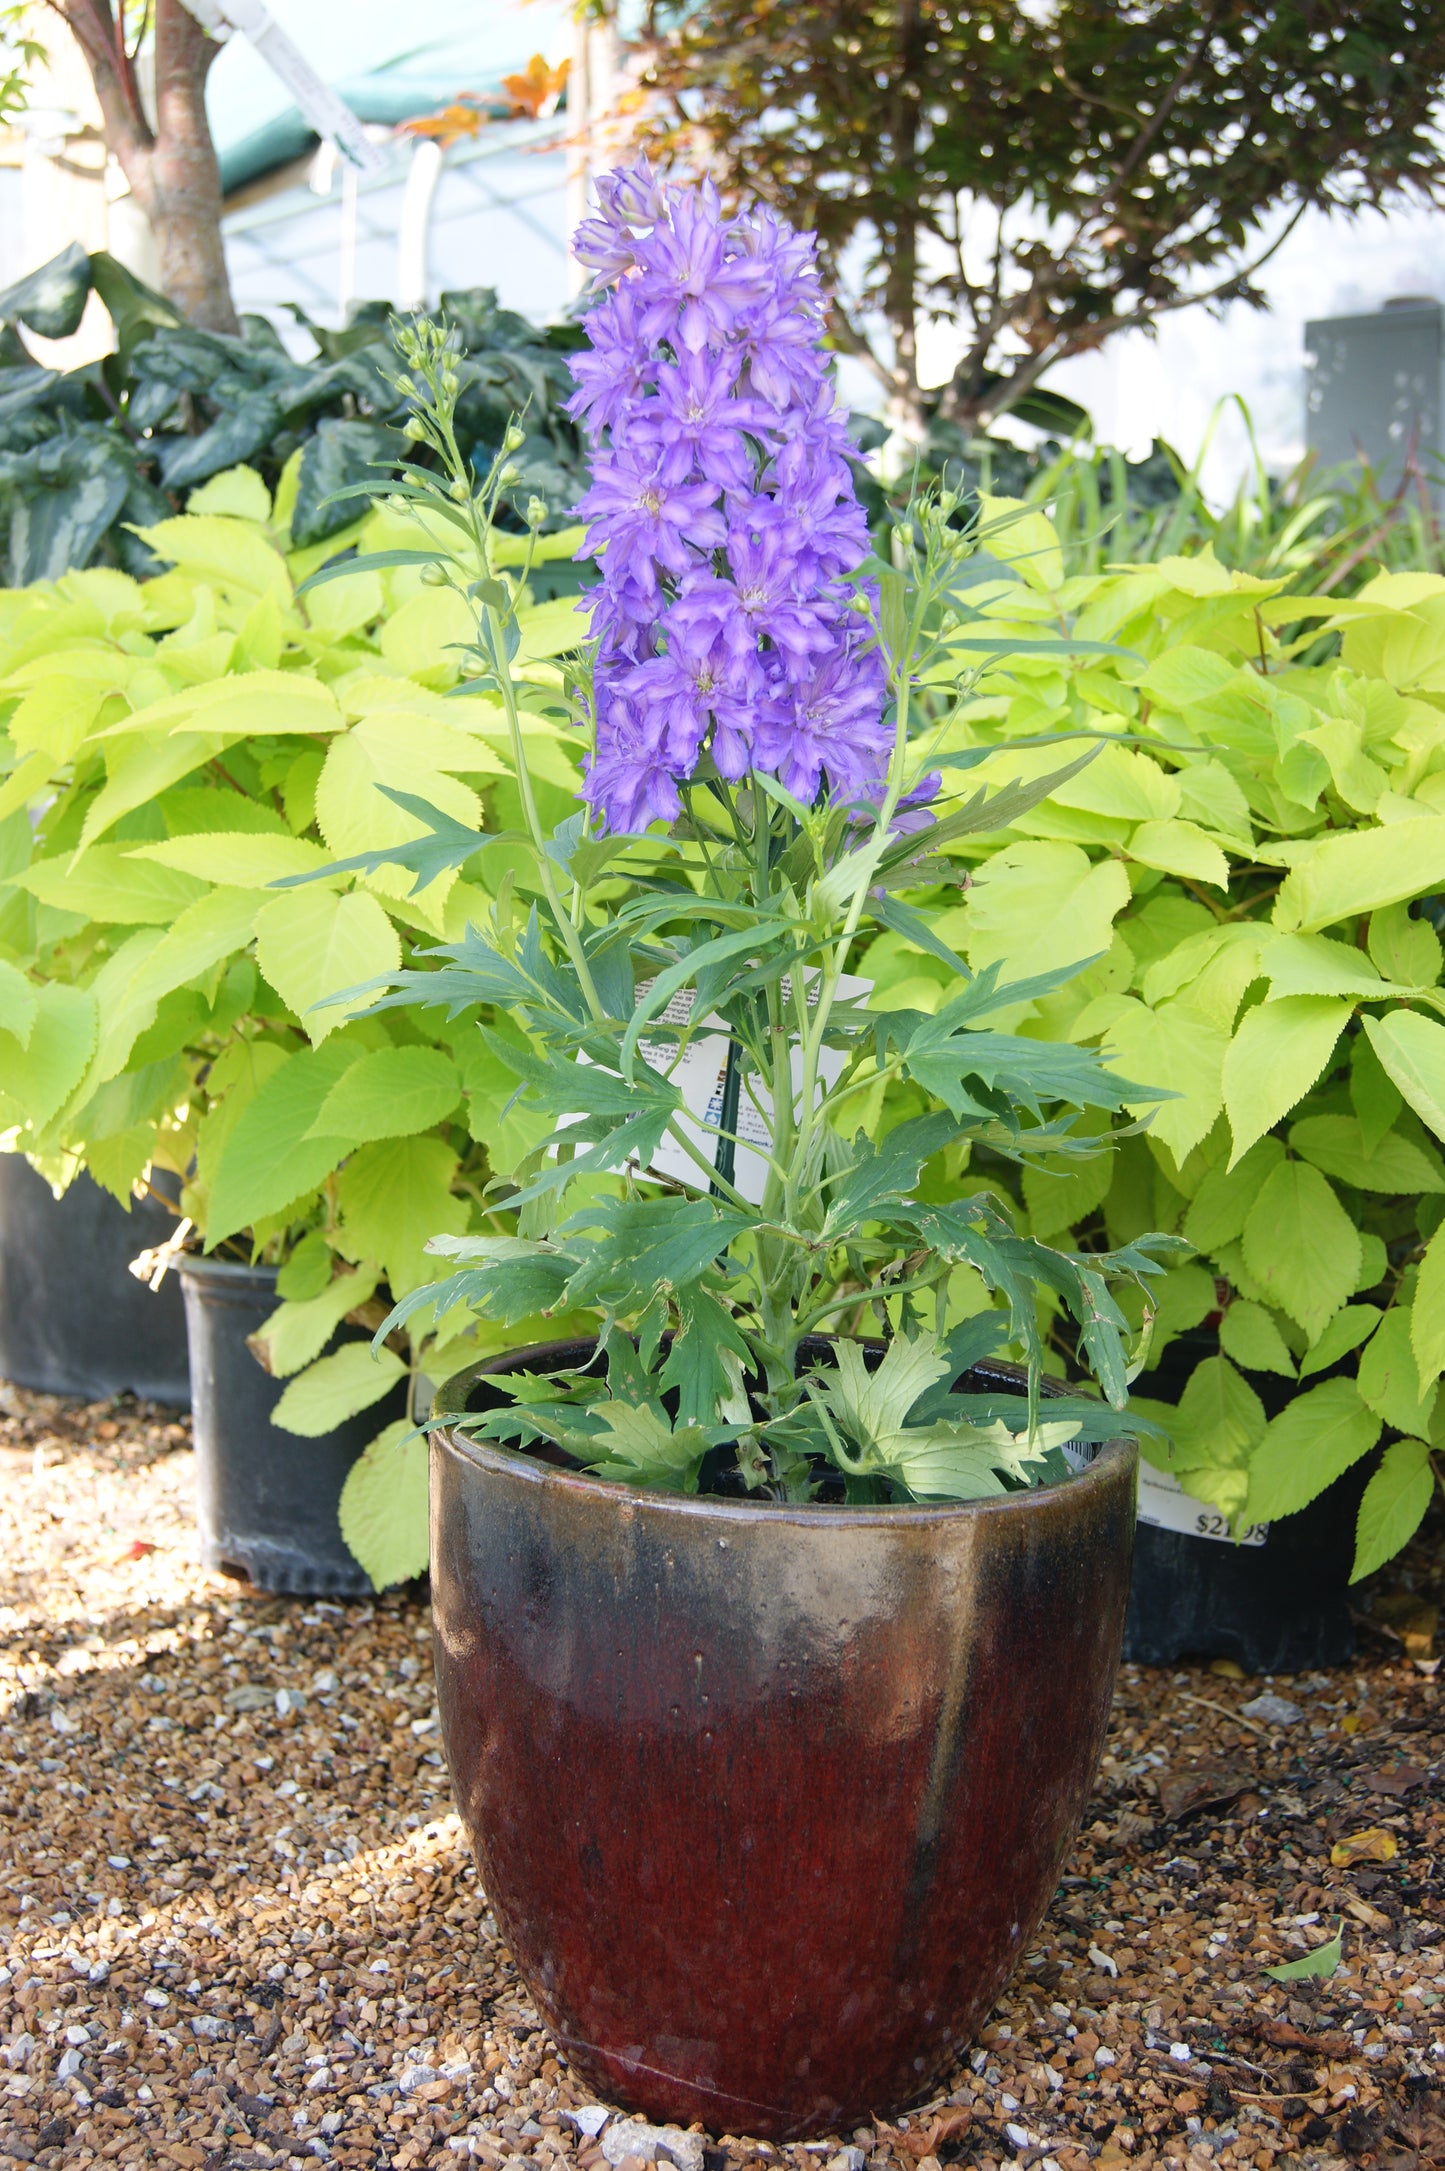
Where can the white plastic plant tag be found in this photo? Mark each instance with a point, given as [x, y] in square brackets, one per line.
[1164, 1504]
[700, 1076]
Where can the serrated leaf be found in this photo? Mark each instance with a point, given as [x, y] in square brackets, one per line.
[246, 859]
[1412, 1052]
[1345, 1332]
[1248, 1334]
[1313, 1441]
[269, 1158]
[316, 945]
[1393, 1505]
[1275, 1057]
[1427, 1313]
[639, 1447]
[705, 1363]
[1300, 1245]
[38, 1079]
[1219, 1421]
[1336, 878]
[334, 1388]
[390, 1093]
[395, 1194]
[19, 1004]
[384, 1506]
[1174, 1049]
[300, 1328]
[1221, 1206]
[1319, 1964]
[1318, 965]
[111, 884]
[1389, 1378]
[1405, 949]
[1336, 1144]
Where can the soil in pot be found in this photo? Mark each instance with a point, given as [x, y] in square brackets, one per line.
[267, 1501]
[1280, 1605]
[767, 1799]
[73, 1321]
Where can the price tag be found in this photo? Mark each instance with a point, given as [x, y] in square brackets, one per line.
[1164, 1504]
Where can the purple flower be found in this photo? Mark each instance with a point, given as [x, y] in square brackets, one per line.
[722, 510]
[636, 508]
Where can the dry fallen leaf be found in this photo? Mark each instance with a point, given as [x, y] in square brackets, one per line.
[1368, 1846]
[1370, 1916]
[1398, 1781]
[1198, 1786]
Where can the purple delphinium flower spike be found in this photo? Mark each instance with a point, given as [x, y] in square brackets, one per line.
[722, 510]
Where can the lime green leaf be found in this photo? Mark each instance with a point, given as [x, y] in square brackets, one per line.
[1389, 1378]
[1393, 1506]
[1248, 1334]
[300, 1329]
[1404, 949]
[214, 927]
[393, 1195]
[269, 1159]
[1220, 1207]
[384, 1507]
[391, 1093]
[337, 1387]
[308, 1270]
[355, 817]
[1318, 965]
[1412, 1052]
[1037, 906]
[1336, 1144]
[1322, 1963]
[1311, 1443]
[1376, 1099]
[110, 885]
[1219, 1420]
[1301, 1246]
[312, 944]
[1179, 848]
[1345, 1332]
[1427, 1313]
[1374, 1261]
[229, 554]
[1061, 1199]
[1275, 1057]
[1338, 877]
[247, 859]
[36, 1080]
[1184, 1297]
[19, 1002]
[1175, 1049]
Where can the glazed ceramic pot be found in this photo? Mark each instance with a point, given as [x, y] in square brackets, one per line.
[767, 1800]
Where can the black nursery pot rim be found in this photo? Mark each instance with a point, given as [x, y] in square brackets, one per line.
[205, 1266]
[451, 1400]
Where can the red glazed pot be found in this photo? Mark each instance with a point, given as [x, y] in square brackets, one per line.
[767, 1800]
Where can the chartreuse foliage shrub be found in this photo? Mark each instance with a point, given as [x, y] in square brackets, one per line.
[1254, 869]
[170, 751]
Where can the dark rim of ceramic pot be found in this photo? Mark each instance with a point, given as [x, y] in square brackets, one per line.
[1115, 1458]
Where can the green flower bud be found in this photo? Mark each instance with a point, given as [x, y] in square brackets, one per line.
[536, 512]
[514, 439]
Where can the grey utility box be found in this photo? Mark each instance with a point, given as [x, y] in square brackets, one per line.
[1373, 389]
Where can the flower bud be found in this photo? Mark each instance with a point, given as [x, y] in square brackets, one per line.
[515, 438]
[432, 576]
[536, 512]
[413, 427]
[510, 473]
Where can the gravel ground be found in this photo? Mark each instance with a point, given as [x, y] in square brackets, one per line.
[242, 1927]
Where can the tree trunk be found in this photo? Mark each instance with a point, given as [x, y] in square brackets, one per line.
[907, 408]
[171, 166]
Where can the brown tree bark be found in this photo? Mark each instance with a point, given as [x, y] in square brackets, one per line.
[170, 163]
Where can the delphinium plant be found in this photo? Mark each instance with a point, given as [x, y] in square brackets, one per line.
[756, 1184]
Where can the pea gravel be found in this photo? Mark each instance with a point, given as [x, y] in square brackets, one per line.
[241, 1926]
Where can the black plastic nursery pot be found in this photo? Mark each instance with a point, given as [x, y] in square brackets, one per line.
[73, 1321]
[1280, 1606]
[267, 1501]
